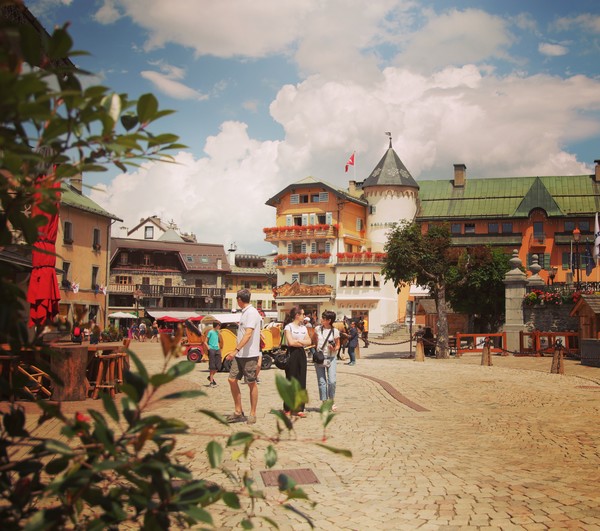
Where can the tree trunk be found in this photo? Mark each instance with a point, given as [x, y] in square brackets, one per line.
[441, 347]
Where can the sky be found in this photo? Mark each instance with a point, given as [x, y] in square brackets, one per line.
[268, 92]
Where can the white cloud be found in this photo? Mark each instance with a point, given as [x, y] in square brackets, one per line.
[587, 22]
[552, 50]
[108, 13]
[166, 84]
[457, 38]
[220, 197]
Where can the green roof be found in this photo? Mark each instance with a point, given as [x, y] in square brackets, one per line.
[72, 198]
[509, 197]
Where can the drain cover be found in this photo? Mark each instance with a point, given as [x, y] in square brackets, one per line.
[302, 476]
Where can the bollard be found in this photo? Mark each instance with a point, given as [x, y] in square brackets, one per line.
[558, 362]
[420, 350]
[486, 353]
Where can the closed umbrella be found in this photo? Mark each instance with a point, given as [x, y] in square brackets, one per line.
[43, 294]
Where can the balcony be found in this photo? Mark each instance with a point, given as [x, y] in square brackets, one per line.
[157, 291]
[537, 240]
[283, 260]
[296, 232]
[361, 258]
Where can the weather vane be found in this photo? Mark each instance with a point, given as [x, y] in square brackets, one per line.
[389, 135]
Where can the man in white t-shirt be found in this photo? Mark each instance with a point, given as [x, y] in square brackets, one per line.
[245, 358]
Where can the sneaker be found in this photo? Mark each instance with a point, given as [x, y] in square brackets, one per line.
[351, 363]
[208, 377]
[333, 407]
[213, 384]
[251, 419]
[236, 417]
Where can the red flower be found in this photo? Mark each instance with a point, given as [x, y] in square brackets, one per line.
[80, 417]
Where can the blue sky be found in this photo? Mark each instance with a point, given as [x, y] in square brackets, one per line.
[270, 91]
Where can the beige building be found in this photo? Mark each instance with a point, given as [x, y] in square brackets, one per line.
[82, 246]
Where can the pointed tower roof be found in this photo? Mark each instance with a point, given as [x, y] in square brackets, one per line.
[170, 236]
[390, 171]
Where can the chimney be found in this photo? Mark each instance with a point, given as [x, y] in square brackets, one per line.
[597, 172]
[77, 183]
[231, 253]
[460, 175]
[351, 186]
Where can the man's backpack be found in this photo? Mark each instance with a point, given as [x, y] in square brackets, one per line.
[77, 336]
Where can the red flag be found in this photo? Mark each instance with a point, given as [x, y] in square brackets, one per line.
[350, 162]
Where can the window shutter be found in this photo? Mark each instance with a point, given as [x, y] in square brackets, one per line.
[304, 220]
[328, 247]
[294, 199]
[313, 219]
[289, 248]
[303, 247]
[359, 224]
[566, 260]
[328, 218]
[288, 221]
[294, 277]
[321, 278]
[323, 197]
[313, 247]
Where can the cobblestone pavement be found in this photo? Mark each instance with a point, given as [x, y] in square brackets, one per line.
[442, 444]
[504, 447]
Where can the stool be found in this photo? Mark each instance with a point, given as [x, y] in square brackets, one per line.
[110, 374]
[36, 377]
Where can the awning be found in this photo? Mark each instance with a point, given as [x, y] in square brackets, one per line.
[376, 277]
[343, 277]
[223, 318]
[180, 315]
[358, 278]
[122, 315]
[418, 291]
[350, 277]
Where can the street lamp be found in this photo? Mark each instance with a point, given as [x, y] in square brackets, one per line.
[576, 238]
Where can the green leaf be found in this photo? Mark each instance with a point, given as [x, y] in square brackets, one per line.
[342, 451]
[190, 393]
[129, 121]
[270, 456]
[14, 423]
[214, 415]
[181, 368]
[110, 407]
[247, 524]
[160, 379]
[232, 500]
[147, 108]
[140, 366]
[291, 392]
[199, 515]
[56, 466]
[215, 453]
[241, 437]
[59, 45]
[57, 447]
[112, 104]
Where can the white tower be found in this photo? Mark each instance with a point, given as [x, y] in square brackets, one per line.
[392, 194]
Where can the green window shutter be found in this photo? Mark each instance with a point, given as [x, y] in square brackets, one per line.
[294, 277]
[329, 218]
[321, 278]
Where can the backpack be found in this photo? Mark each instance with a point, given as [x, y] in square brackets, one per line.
[77, 336]
[76, 331]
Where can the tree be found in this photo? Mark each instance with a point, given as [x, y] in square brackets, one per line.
[476, 286]
[424, 258]
[120, 466]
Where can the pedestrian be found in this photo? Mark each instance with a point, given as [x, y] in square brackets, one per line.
[154, 332]
[328, 340]
[142, 332]
[365, 329]
[245, 358]
[135, 331]
[214, 352]
[296, 336]
[352, 342]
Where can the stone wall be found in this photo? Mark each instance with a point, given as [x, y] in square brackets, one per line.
[550, 318]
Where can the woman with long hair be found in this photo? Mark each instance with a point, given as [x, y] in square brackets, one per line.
[328, 340]
[296, 336]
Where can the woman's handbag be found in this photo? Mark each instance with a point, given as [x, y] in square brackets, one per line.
[281, 357]
[318, 354]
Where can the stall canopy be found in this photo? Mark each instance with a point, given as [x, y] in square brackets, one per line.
[122, 315]
[174, 316]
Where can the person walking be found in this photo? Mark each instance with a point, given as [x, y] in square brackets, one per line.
[154, 332]
[365, 329]
[352, 342]
[214, 353]
[328, 340]
[245, 358]
[296, 336]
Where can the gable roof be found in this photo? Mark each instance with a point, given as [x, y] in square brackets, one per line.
[390, 171]
[509, 197]
[70, 197]
[311, 182]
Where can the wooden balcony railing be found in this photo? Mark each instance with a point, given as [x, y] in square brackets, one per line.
[157, 291]
[297, 232]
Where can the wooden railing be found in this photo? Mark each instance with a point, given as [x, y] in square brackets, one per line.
[474, 342]
[541, 343]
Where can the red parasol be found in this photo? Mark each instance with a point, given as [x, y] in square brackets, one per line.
[43, 294]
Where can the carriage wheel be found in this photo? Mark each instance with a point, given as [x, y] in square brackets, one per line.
[226, 366]
[194, 355]
[267, 361]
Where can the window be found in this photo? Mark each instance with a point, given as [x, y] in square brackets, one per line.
[322, 219]
[146, 281]
[66, 283]
[149, 233]
[469, 228]
[584, 226]
[456, 228]
[246, 284]
[507, 227]
[124, 258]
[359, 224]
[123, 279]
[304, 198]
[538, 229]
[569, 226]
[96, 239]
[95, 270]
[543, 260]
[294, 199]
[314, 198]
[168, 282]
[493, 228]
[309, 278]
[198, 282]
[68, 232]
[323, 197]
[259, 285]
[297, 221]
[372, 209]
[146, 259]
